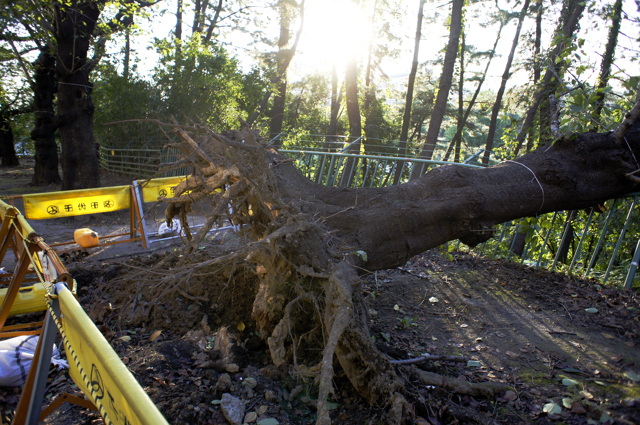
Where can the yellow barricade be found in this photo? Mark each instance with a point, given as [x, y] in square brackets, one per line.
[155, 188]
[30, 299]
[97, 370]
[71, 203]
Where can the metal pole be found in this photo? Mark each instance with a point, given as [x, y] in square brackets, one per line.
[44, 361]
[620, 238]
[594, 257]
[576, 256]
[564, 237]
[634, 267]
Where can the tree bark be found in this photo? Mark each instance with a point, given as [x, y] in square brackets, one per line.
[497, 105]
[566, 30]
[308, 240]
[355, 120]
[7, 148]
[406, 117]
[277, 111]
[392, 224]
[444, 86]
[45, 171]
[607, 60]
[75, 26]
[537, 60]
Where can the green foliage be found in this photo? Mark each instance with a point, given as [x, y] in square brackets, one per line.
[200, 82]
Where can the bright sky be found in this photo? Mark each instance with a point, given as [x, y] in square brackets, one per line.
[335, 29]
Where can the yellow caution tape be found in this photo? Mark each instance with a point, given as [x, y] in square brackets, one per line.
[97, 370]
[30, 299]
[76, 202]
[155, 188]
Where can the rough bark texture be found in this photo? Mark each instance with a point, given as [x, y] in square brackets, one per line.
[45, 171]
[7, 150]
[503, 85]
[406, 116]
[607, 60]
[75, 26]
[567, 29]
[444, 86]
[298, 275]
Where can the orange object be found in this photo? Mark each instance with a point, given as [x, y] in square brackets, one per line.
[86, 238]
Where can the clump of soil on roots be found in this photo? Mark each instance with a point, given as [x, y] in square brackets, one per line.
[290, 282]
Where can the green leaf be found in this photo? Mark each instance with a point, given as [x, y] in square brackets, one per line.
[552, 408]
[385, 336]
[569, 382]
[571, 370]
[331, 405]
[632, 375]
[269, 421]
[566, 402]
[362, 255]
[591, 310]
[473, 363]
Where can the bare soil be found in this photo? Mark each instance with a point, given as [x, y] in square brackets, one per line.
[551, 338]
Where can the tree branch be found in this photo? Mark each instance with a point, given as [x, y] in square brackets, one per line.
[629, 119]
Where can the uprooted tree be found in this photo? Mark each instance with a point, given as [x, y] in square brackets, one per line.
[299, 273]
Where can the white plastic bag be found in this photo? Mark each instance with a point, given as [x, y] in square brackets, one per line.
[174, 230]
[16, 355]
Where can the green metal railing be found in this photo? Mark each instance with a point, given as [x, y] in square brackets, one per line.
[593, 244]
[589, 243]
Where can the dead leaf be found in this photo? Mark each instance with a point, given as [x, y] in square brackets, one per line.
[512, 354]
[155, 335]
[500, 334]
[578, 408]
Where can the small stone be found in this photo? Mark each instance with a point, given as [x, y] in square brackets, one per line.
[250, 417]
[224, 383]
[232, 409]
[270, 396]
[250, 393]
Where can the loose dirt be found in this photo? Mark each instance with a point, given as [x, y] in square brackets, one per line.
[566, 347]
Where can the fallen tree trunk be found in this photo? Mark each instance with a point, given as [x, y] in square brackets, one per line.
[392, 224]
[299, 274]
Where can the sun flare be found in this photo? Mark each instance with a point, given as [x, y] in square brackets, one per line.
[335, 31]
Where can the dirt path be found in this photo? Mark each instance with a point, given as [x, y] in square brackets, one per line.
[560, 343]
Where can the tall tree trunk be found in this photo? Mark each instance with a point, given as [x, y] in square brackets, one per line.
[406, 117]
[566, 30]
[457, 138]
[472, 102]
[176, 88]
[444, 86]
[74, 28]
[7, 148]
[45, 171]
[497, 105]
[607, 60]
[355, 120]
[281, 71]
[336, 101]
[127, 54]
[537, 61]
[277, 111]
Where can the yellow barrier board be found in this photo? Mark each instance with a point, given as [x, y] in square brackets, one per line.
[30, 299]
[153, 189]
[97, 370]
[76, 202]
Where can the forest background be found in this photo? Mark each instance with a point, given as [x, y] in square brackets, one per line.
[437, 80]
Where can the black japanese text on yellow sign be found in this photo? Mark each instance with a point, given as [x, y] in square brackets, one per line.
[76, 202]
[162, 187]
